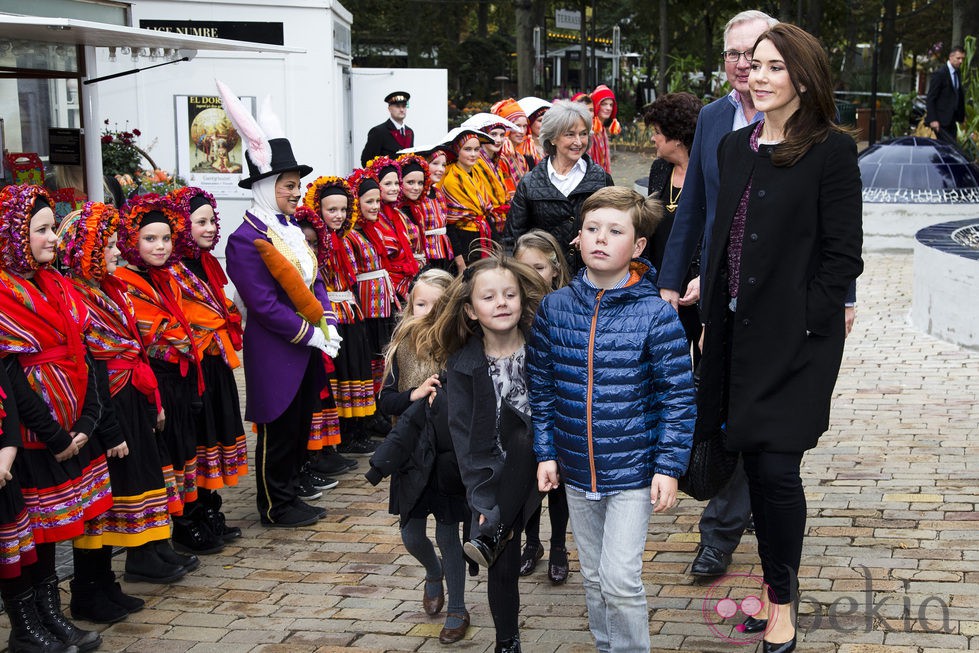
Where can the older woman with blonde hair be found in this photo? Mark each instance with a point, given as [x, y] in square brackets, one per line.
[551, 195]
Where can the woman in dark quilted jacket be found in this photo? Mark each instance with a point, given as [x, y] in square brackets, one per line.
[551, 195]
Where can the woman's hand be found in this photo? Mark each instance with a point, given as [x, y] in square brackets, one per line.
[427, 388]
[692, 296]
[662, 492]
[850, 315]
[548, 477]
[161, 420]
[118, 451]
[7, 456]
[72, 449]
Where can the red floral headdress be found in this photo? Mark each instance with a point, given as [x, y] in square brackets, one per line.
[130, 217]
[314, 197]
[379, 163]
[404, 160]
[182, 197]
[323, 242]
[83, 236]
[353, 181]
[16, 205]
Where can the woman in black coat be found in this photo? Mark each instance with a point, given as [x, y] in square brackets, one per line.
[538, 202]
[785, 247]
[673, 119]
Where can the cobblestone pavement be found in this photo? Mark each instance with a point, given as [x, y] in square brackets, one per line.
[891, 561]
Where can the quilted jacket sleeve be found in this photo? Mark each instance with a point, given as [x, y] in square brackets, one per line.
[541, 384]
[673, 392]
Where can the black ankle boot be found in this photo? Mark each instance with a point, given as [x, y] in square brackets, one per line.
[27, 632]
[212, 517]
[192, 534]
[484, 549]
[511, 645]
[90, 602]
[47, 601]
[113, 590]
[144, 565]
[164, 549]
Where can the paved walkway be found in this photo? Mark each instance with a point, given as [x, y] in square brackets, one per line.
[891, 563]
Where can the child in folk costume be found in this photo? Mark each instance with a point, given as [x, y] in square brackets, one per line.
[534, 108]
[139, 518]
[215, 323]
[287, 328]
[351, 385]
[468, 196]
[324, 431]
[392, 231]
[429, 210]
[62, 471]
[603, 125]
[494, 166]
[375, 292]
[415, 184]
[419, 456]
[519, 163]
[150, 242]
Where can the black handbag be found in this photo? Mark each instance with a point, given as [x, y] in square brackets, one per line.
[711, 466]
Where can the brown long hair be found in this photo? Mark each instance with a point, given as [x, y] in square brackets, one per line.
[808, 68]
[453, 328]
[411, 327]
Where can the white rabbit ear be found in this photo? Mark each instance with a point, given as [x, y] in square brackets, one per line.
[269, 121]
[259, 150]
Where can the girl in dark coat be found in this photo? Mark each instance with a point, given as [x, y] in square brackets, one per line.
[784, 249]
[419, 454]
[479, 338]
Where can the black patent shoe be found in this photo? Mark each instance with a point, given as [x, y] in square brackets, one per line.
[752, 625]
[532, 553]
[784, 647]
[557, 565]
[511, 645]
[485, 549]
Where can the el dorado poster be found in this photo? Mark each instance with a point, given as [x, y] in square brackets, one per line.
[210, 153]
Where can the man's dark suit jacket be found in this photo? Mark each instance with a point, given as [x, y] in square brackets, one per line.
[381, 141]
[945, 103]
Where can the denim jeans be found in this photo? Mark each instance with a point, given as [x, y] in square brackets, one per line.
[611, 536]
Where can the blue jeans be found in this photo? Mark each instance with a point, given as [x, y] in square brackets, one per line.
[611, 536]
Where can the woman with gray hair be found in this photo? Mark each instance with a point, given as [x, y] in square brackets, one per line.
[551, 195]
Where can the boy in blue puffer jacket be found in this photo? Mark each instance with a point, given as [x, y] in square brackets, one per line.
[613, 411]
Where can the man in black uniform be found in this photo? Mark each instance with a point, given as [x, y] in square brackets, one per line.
[391, 135]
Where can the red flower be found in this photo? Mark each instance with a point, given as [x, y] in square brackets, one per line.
[106, 139]
[127, 135]
[137, 132]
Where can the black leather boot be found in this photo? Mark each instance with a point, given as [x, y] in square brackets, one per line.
[213, 518]
[144, 565]
[47, 601]
[484, 549]
[27, 633]
[192, 534]
[90, 602]
[164, 549]
[113, 590]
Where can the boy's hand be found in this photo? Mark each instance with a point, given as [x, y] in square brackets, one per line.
[547, 476]
[662, 492]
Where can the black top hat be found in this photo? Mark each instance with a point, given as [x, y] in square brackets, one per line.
[283, 160]
[397, 97]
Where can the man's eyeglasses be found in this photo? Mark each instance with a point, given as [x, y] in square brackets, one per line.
[732, 56]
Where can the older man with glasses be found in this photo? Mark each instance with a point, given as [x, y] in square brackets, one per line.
[392, 134]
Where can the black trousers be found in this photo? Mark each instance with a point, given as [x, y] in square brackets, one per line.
[503, 591]
[727, 515]
[557, 508]
[779, 505]
[280, 448]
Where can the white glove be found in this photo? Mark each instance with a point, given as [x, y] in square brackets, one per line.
[319, 341]
[333, 341]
